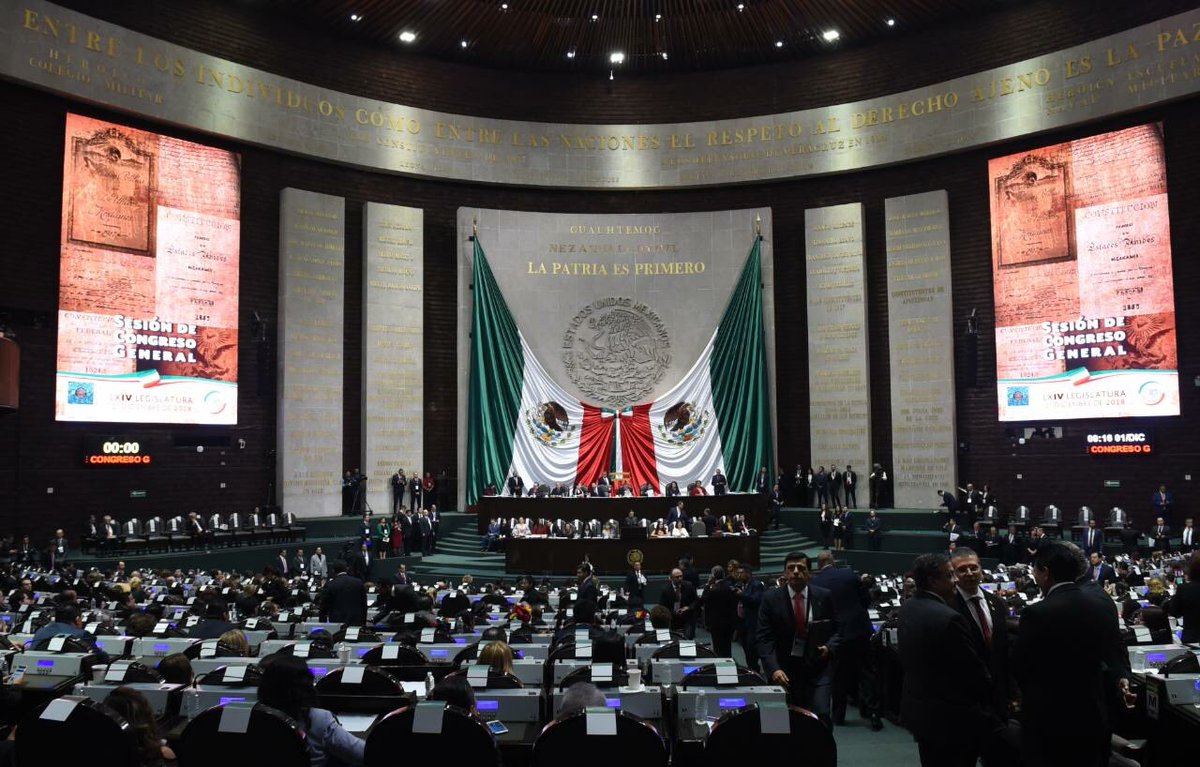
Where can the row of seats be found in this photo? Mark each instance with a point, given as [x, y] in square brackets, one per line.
[177, 533]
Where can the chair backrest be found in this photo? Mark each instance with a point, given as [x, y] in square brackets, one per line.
[127, 673]
[496, 680]
[214, 519]
[373, 681]
[1052, 514]
[992, 513]
[454, 603]
[672, 651]
[740, 732]
[1117, 517]
[1021, 514]
[364, 634]
[619, 678]
[567, 741]
[67, 730]
[706, 676]
[405, 655]
[69, 644]
[315, 649]
[153, 526]
[131, 526]
[1085, 515]
[267, 736]
[250, 677]
[175, 524]
[459, 738]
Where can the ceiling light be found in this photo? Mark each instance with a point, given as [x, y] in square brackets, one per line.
[407, 37]
[616, 57]
[570, 54]
[741, 7]
[504, 6]
[778, 43]
[595, 17]
[658, 17]
[830, 35]
[355, 17]
[463, 43]
[664, 55]
[891, 22]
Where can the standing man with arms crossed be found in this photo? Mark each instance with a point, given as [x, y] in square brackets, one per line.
[798, 633]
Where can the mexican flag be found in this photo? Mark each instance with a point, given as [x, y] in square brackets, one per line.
[716, 416]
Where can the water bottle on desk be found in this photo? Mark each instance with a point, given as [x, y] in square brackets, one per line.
[80, 687]
[701, 707]
[428, 682]
[191, 701]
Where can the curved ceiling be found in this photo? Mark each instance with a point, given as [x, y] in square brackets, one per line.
[653, 35]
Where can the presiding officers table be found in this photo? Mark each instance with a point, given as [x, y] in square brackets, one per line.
[612, 557]
[490, 507]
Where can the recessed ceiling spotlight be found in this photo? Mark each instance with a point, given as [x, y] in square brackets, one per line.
[664, 55]
[571, 54]
[658, 17]
[741, 7]
[407, 37]
[463, 43]
[595, 17]
[355, 17]
[891, 22]
[616, 57]
[830, 35]
[504, 6]
[778, 43]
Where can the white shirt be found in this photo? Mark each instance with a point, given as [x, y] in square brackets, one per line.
[987, 613]
[1188, 532]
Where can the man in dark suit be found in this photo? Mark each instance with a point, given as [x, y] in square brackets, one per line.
[835, 486]
[850, 602]
[635, 585]
[283, 564]
[821, 485]
[516, 485]
[947, 697]
[1099, 572]
[679, 596]
[58, 550]
[987, 617]
[749, 591]
[1068, 663]
[1186, 602]
[719, 483]
[798, 635]
[951, 504]
[762, 482]
[425, 529]
[850, 480]
[1160, 536]
[586, 582]
[299, 564]
[344, 599]
[1188, 542]
[1093, 538]
[215, 623]
[720, 612]
[1163, 502]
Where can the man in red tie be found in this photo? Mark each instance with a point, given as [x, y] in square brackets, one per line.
[798, 637]
[987, 616]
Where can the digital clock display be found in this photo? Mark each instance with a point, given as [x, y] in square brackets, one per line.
[115, 451]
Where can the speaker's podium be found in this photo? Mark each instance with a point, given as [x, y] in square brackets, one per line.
[633, 533]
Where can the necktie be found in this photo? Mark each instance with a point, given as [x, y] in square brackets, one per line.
[801, 614]
[976, 602]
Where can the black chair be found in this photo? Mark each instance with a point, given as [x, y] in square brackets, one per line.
[1020, 518]
[271, 737]
[218, 676]
[375, 681]
[651, 637]
[176, 532]
[219, 530]
[1052, 520]
[619, 678]
[454, 603]
[671, 650]
[295, 530]
[347, 634]
[1118, 523]
[131, 672]
[213, 649]
[156, 535]
[464, 739]
[496, 680]
[90, 734]
[135, 540]
[315, 650]
[566, 741]
[706, 676]
[739, 732]
[406, 655]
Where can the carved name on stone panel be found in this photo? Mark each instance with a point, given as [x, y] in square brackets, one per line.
[921, 340]
[839, 378]
[393, 347]
[311, 322]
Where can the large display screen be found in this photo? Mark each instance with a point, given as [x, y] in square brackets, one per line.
[1084, 298]
[148, 283]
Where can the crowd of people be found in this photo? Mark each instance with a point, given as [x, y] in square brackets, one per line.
[679, 523]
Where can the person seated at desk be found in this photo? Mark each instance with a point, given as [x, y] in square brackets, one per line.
[454, 690]
[672, 490]
[1186, 602]
[67, 622]
[660, 530]
[697, 488]
[580, 696]
[679, 531]
[287, 684]
[521, 528]
[215, 623]
[176, 669]
[580, 491]
[498, 656]
[236, 640]
[133, 707]
[541, 527]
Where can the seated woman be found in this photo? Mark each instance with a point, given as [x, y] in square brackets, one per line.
[236, 640]
[287, 684]
[672, 490]
[660, 530]
[679, 531]
[521, 528]
[541, 527]
[497, 655]
[176, 669]
[697, 488]
[133, 707]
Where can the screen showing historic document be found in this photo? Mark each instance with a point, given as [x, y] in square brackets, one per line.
[1084, 297]
[148, 284]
